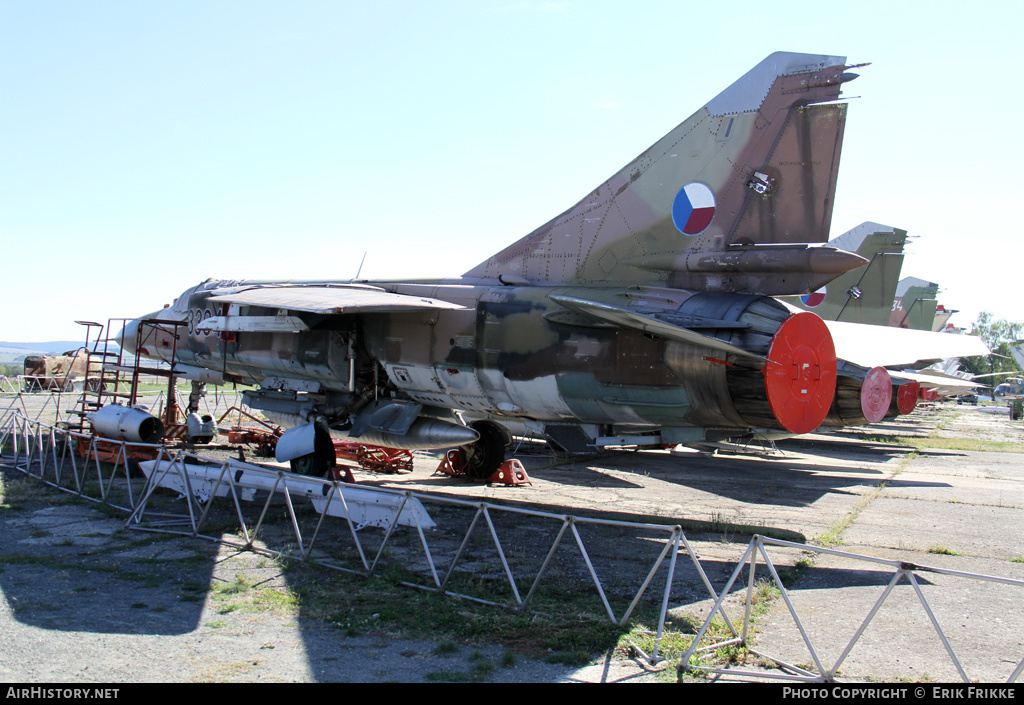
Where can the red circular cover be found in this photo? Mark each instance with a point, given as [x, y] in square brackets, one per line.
[907, 396]
[875, 394]
[800, 377]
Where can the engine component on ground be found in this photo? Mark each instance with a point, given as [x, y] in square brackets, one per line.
[127, 424]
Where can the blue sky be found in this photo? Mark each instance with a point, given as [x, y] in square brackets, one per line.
[147, 146]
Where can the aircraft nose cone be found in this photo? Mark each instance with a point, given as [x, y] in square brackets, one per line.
[128, 337]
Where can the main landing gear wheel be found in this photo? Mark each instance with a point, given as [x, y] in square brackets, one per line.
[482, 458]
[320, 461]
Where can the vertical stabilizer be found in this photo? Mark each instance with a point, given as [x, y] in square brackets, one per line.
[756, 165]
[915, 304]
[863, 295]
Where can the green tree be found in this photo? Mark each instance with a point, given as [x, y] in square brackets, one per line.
[998, 335]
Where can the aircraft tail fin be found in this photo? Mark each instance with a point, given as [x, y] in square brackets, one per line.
[915, 304]
[863, 295]
[756, 166]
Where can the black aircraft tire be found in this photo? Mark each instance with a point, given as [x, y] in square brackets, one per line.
[320, 461]
[483, 458]
[303, 465]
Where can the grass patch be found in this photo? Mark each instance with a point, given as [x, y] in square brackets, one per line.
[447, 677]
[446, 648]
[935, 443]
[942, 550]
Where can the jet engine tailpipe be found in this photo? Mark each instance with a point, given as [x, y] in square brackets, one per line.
[800, 375]
[790, 389]
[861, 398]
[904, 398]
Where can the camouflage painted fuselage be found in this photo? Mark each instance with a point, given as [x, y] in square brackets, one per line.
[511, 352]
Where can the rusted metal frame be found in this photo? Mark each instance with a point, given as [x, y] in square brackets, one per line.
[387, 535]
[243, 412]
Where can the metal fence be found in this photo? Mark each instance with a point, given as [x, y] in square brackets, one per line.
[901, 571]
[447, 545]
[470, 539]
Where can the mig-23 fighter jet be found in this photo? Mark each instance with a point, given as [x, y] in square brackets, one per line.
[644, 313]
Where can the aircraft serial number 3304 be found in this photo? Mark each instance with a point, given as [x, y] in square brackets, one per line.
[645, 313]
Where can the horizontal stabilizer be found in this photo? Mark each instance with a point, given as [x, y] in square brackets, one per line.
[648, 324]
[871, 346]
[931, 380]
[329, 299]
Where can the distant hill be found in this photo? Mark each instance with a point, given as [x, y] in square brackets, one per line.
[53, 347]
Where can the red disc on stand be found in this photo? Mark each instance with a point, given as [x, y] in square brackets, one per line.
[876, 394]
[907, 396]
[800, 376]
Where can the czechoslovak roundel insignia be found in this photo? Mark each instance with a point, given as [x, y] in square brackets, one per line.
[814, 298]
[693, 208]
